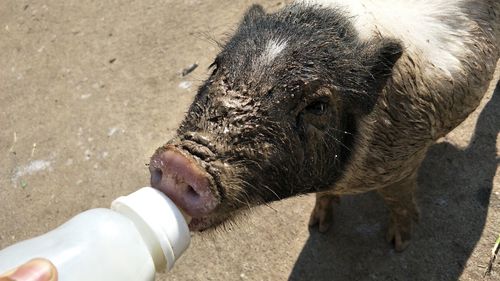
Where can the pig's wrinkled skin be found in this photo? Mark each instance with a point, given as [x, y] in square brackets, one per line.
[304, 100]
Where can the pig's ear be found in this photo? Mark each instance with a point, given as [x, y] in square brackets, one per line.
[380, 58]
[384, 57]
[254, 12]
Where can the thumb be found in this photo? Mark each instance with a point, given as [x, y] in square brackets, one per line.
[34, 270]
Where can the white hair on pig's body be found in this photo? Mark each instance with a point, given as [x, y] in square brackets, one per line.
[418, 24]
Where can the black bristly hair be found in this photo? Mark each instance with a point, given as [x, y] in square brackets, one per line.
[321, 43]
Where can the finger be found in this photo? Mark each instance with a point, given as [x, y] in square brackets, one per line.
[34, 270]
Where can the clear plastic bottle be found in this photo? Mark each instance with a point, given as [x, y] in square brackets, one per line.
[141, 234]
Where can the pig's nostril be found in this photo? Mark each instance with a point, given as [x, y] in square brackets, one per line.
[156, 175]
[191, 192]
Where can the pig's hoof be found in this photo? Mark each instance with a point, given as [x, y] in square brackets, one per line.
[322, 214]
[399, 235]
[323, 221]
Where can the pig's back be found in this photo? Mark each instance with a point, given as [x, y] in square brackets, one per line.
[437, 30]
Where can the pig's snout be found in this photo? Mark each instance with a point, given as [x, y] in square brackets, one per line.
[183, 181]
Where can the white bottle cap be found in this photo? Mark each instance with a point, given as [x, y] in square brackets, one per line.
[159, 219]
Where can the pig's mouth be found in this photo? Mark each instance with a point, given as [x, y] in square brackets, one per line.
[185, 179]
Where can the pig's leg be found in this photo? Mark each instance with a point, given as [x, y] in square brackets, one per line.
[322, 214]
[400, 198]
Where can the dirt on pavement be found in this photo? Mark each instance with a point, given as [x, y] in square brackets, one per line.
[88, 90]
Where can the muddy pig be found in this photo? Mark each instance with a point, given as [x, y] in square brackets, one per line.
[333, 97]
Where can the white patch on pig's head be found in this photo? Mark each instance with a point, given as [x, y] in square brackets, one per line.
[273, 49]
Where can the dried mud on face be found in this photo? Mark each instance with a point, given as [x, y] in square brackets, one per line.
[89, 89]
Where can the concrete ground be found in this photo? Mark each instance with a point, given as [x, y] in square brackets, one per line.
[89, 89]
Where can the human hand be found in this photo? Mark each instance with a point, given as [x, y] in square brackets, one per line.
[33, 270]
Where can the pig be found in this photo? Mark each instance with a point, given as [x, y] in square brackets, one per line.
[332, 97]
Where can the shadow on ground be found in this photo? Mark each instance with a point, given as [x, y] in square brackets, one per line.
[454, 192]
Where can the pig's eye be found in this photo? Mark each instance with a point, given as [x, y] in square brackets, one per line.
[317, 108]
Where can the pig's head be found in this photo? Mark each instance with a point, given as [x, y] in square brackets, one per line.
[278, 115]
